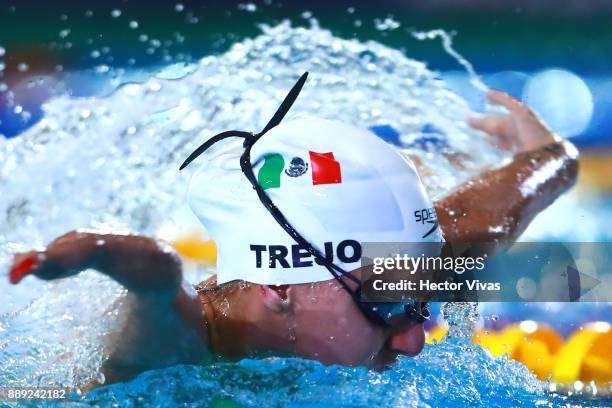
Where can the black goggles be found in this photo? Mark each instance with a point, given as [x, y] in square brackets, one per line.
[382, 313]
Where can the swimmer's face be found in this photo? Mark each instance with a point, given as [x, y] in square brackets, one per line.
[329, 327]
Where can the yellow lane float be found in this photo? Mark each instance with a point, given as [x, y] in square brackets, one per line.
[586, 356]
[196, 248]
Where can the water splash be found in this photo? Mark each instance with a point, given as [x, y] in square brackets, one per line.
[447, 44]
[461, 318]
[438, 377]
[112, 163]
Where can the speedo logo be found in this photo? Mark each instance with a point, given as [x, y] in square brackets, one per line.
[296, 256]
[427, 216]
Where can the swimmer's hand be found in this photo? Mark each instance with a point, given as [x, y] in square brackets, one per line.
[521, 130]
[138, 263]
[498, 205]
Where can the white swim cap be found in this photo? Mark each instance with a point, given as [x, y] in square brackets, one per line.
[336, 184]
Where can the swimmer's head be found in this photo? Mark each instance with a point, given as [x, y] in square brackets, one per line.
[289, 208]
[336, 184]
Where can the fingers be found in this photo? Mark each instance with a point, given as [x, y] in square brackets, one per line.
[491, 124]
[23, 265]
[494, 126]
[507, 101]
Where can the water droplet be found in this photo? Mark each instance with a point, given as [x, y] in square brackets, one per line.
[250, 7]
[388, 24]
[95, 54]
[64, 33]
[179, 7]
[225, 307]
[22, 66]
[116, 13]
[100, 242]
[102, 69]
[2, 51]
[133, 24]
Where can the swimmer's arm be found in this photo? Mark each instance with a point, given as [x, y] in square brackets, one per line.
[146, 267]
[500, 203]
[138, 263]
[164, 322]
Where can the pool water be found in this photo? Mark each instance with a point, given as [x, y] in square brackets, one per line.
[112, 163]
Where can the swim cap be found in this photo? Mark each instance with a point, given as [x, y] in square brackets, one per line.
[336, 184]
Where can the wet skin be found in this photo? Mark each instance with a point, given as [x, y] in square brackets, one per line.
[316, 321]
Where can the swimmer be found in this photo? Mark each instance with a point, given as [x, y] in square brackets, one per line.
[287, 208]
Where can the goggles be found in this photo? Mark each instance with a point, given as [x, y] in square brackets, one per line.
[381, 313]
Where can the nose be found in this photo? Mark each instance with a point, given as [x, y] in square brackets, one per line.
[409, 340]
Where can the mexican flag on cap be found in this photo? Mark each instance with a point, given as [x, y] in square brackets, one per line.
[322, 168]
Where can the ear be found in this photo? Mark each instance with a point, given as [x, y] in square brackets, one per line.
[276, 297]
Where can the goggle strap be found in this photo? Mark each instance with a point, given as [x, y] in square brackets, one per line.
[286, 104]
[206, 145]
[249, 137]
